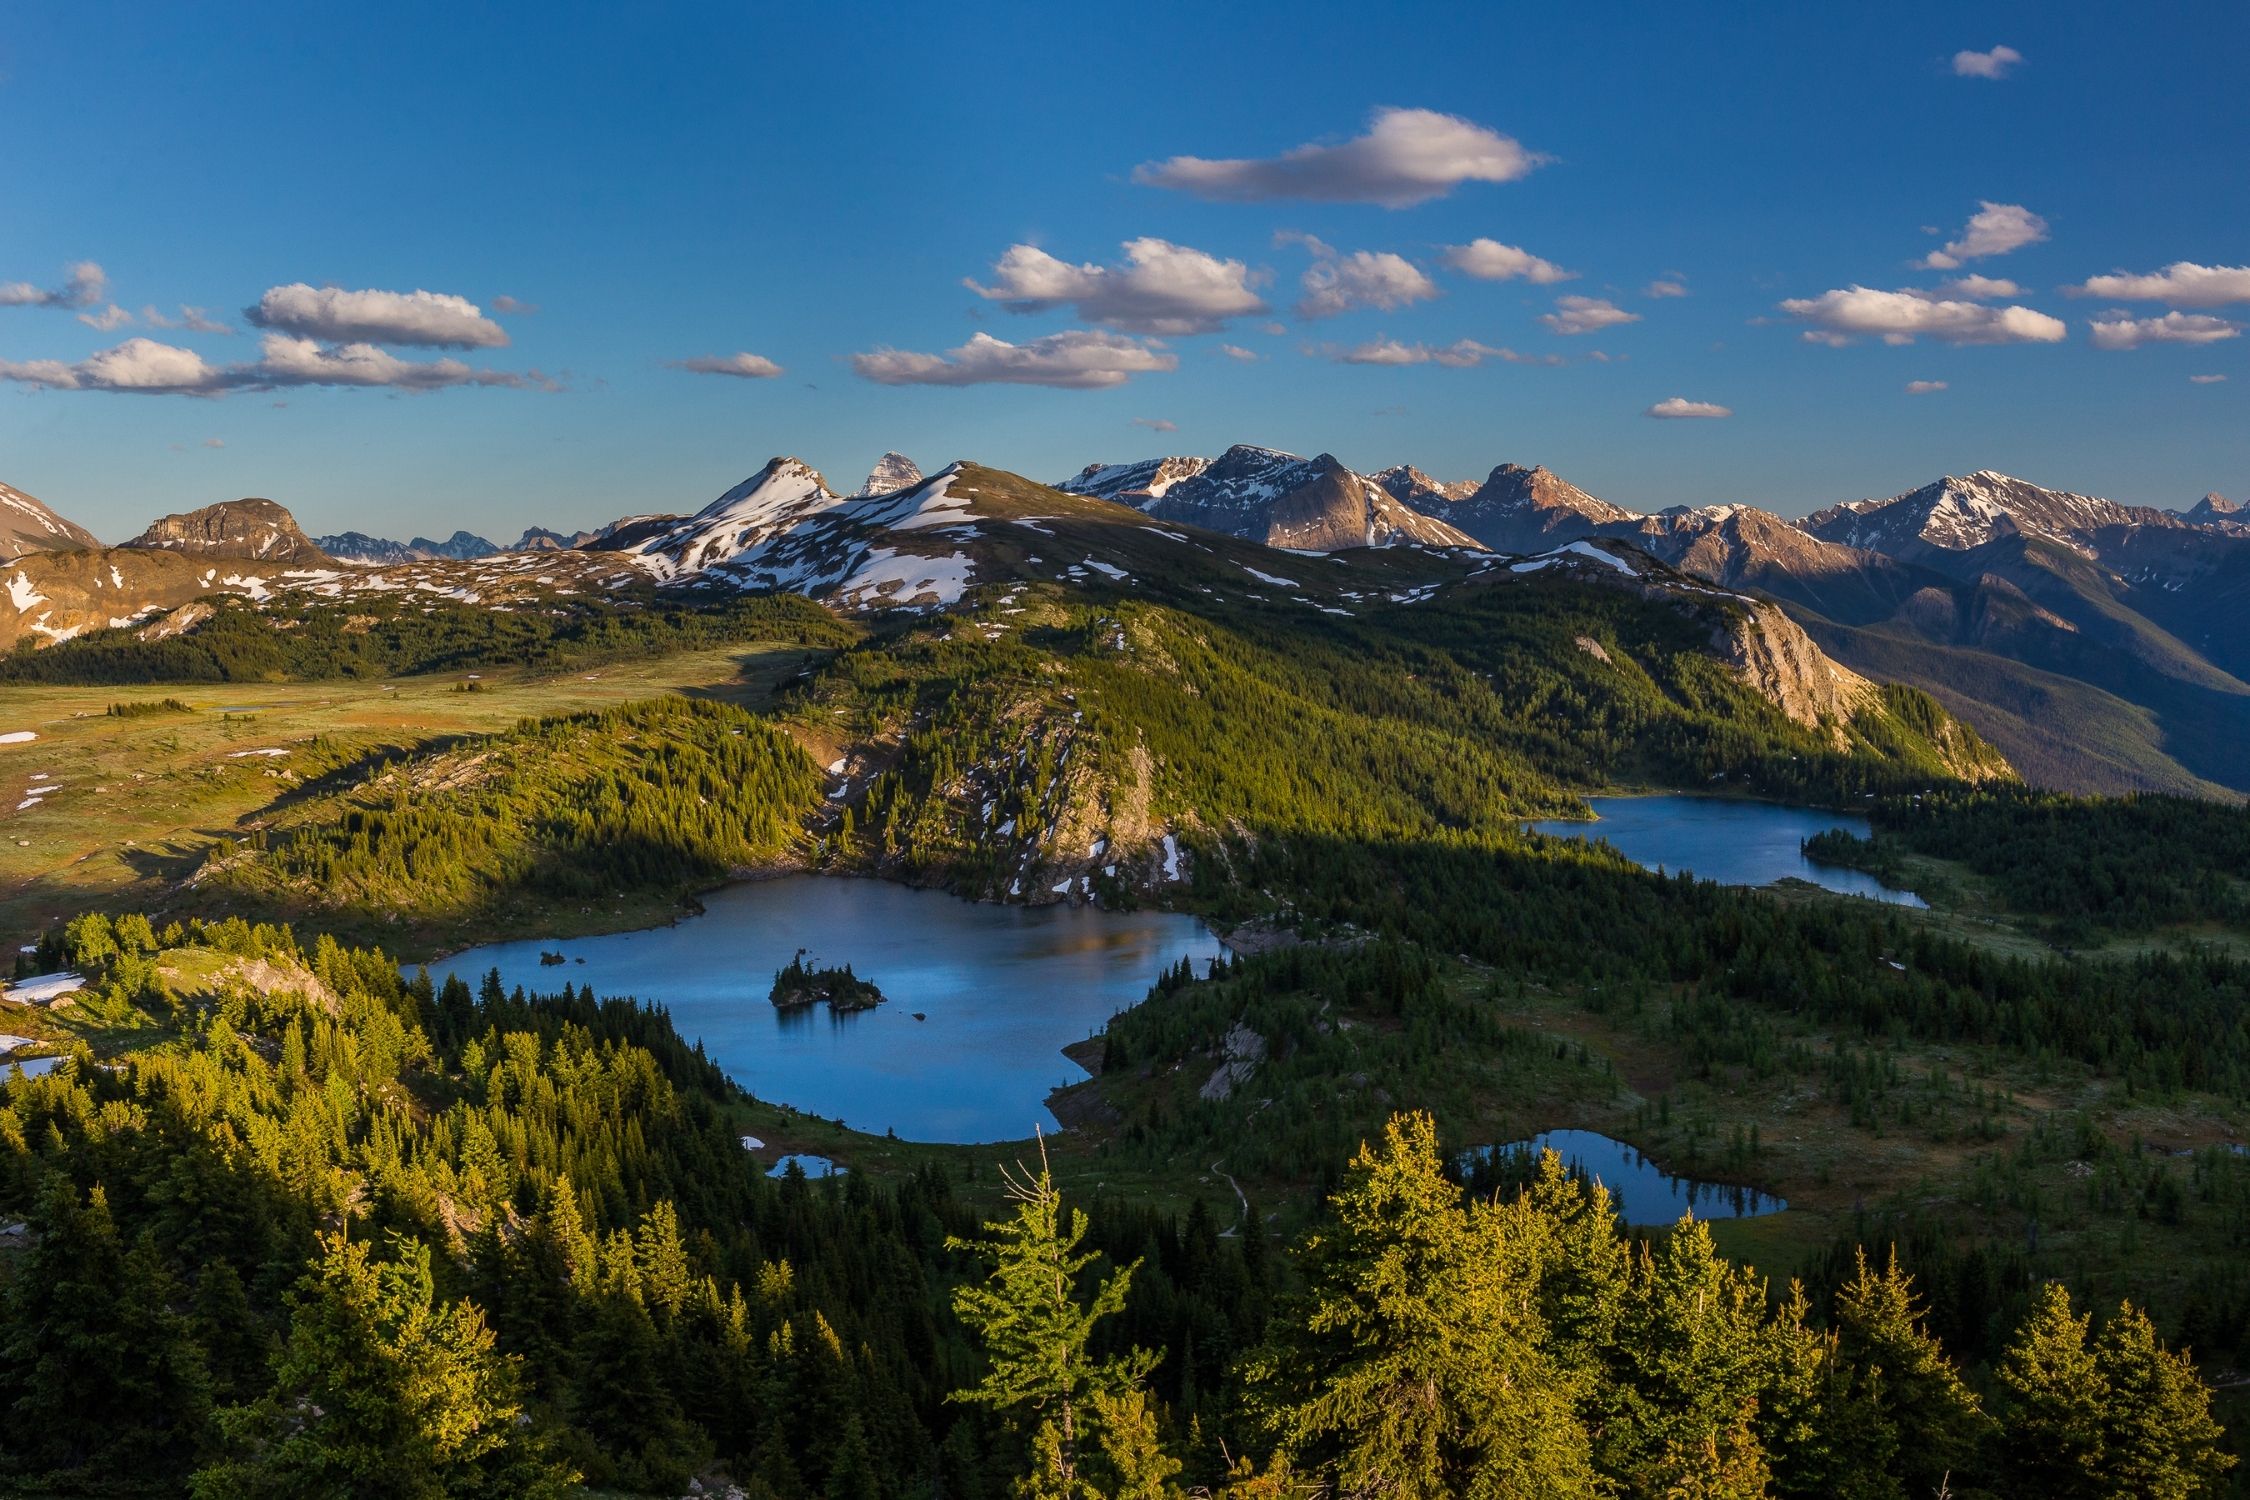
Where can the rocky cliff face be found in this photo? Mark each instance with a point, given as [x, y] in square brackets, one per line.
[1529, 510]
[28, 525]
[1410, 486]
[1782, 663]
[892, 472]
[254, 530]
[541, 539]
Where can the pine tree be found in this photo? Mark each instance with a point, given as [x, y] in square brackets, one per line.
[381, 1392]
[2158, 1438]
[1898, 1370]
[2053, 1398]
[1695, 1355]
[1036, 1328]
[1133, 1464]
[100, 1377]
[1413, 1365]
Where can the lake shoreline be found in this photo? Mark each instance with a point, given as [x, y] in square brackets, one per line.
[987, 1001]
[1749, 843]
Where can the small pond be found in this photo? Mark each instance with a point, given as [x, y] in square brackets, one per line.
[1718, 838]
[811, 1166]
[980, 998]
[1645, 1193]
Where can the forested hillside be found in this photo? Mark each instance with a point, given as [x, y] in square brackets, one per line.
[293, 1221]
[1049, 739]
[341, 1233]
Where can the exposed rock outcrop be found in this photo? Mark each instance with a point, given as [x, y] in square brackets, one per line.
[251, 529]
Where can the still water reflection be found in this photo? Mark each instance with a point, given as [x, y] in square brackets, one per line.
[1646, 1194]
[1003, 990]
[1734, 843]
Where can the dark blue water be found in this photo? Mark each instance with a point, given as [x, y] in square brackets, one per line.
[1734, 843]
[1645, 1193]
[1004, 989]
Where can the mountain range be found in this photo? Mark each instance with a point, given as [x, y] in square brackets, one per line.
[2101, 647]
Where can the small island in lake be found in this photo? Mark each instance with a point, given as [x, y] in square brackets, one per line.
[802, 984]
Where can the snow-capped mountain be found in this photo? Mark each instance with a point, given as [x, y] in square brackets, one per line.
[783, 528]
[1135, 484]
[2219, 513]
[892, 472]
[28, 525]
[358, 546]
[727, 534]
[1958, 513]
[1304, 504]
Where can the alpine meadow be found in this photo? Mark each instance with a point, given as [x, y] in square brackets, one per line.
[1137, 964]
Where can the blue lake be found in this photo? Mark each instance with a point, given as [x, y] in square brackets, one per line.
[1645, 1193]
[1717, 838]
[1003, 988]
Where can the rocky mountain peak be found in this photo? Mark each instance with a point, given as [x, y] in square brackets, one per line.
[892, 472]
[28, 525]
[250, 528]
[358, 546]
[1959, 512]
[1411, 486]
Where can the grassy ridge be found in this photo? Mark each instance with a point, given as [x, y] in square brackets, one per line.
[299, 640]
[660, 797]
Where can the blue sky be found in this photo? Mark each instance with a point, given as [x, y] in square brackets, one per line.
[806, 184]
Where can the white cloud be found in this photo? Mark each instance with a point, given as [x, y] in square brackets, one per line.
[513, 306]
[1994, 229]
[193, 319]
[1237, 352]
[1837, 317]
[334, 315]
[1924, 387]
[1075, 359]
[1489, 260]
[1161, 288]
[145, 367]
[745, 366]
[108, 320]
[1156, 424]
[214, 442]
[298, 361]
[2207, 379]
[1979, 288]
[1675, 408]
[1574, 315]
[86, 284]
[2120, 331]
[1461, 354]
[1407, 156]
[2182, 283]
[1666, 286]
[139, 365]
[1337, 283]
[1993, 64]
